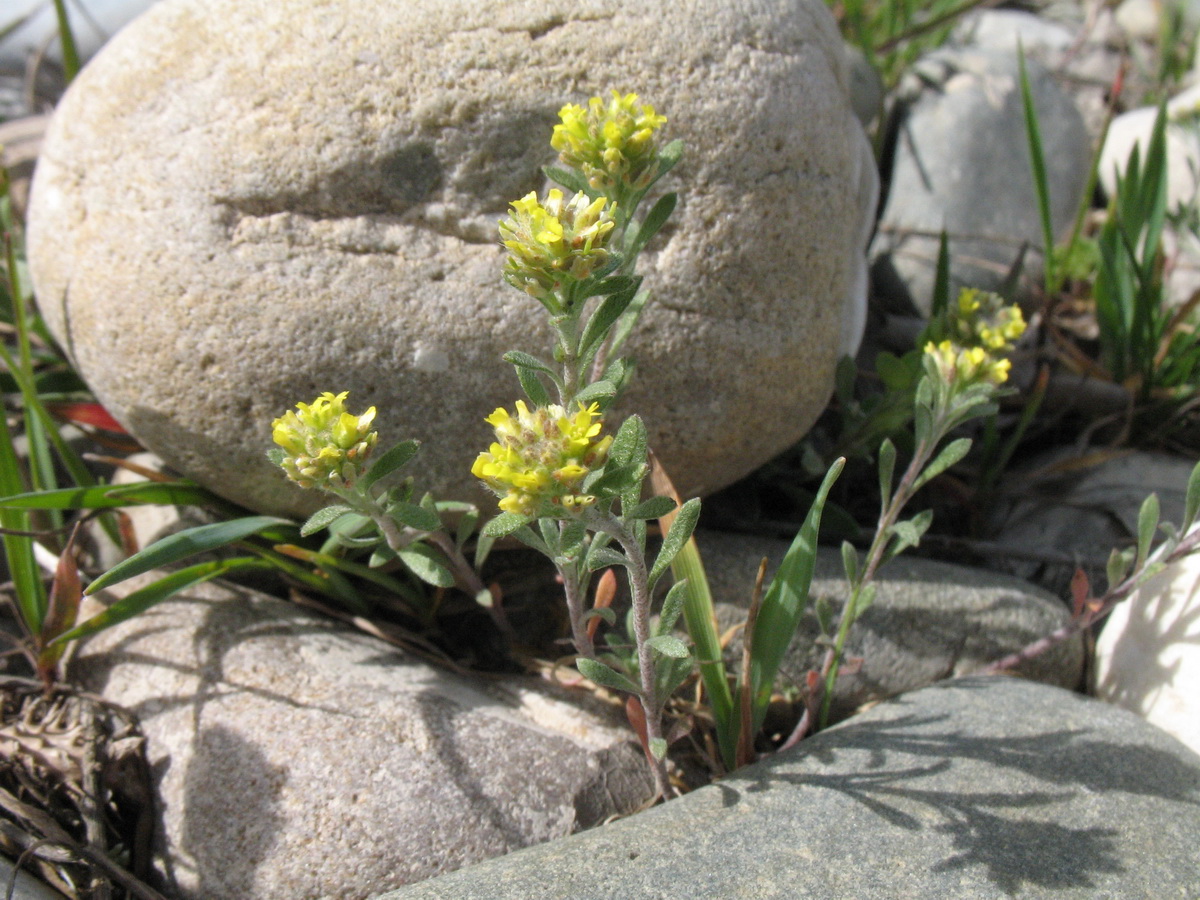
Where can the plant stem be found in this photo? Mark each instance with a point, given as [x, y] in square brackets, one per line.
[1098, 611]
[640, 586]
[883, 534]
[398, 538]
[574, 595]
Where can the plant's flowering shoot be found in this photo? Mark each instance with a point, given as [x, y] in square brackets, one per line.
[324, 446]
[982, 319]
[957, 364]
[613, 145]
[540, 458]
[555, 239]
[982, 329]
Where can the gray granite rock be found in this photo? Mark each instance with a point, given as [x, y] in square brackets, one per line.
[1067, 511]
[299, 759]
[238, 208]
[974, 789]
[961, 162]
[930, 620]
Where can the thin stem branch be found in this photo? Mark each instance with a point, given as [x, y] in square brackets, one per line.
[888, 516]
[575, 611]
[1093, 614]
[398, 537]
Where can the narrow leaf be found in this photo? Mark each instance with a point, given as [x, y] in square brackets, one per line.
[681, 530]
[395, 458]
[527, 361]
[654, 508]
[568, 178]
[887, 470]
[504, 524]
[413, 516]
[533, 387]
[672, 606]
[601, 392]
[655, 219]
[602, 320]
[142, 599]
[1118, 566]
[1147, 523]
[1192, 503]
[784, 602]
[110, 497]
[602, 557]
[668, 645]
[605, 676]
[426, 564]
[850, 562]
[323, 517]
[909, 533]
[184, 544]
[954, 452]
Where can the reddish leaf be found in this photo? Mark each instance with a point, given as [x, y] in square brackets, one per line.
[606, 591]
[87, 414]
[637, 719]
[1079, 591]
[62, 610]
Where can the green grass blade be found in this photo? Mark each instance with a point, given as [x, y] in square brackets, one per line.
[142, 599]
[1037, 162]
[30, 592]
[184, 544]
[67, 38]
[785, 601]
[104, 496]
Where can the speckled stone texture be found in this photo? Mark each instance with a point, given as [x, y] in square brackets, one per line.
[241, 205]
[976, 789]
[299, 759]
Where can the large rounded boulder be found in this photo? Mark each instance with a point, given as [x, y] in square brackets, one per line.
[241, 205]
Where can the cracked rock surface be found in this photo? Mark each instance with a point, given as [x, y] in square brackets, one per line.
[240, 206]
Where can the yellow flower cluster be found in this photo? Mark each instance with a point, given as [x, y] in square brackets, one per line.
[982, 319]
[983, 329]
[557, 238]
[611, 144]
[540, 457]
[324, 445]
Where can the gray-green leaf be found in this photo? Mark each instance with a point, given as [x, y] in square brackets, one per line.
[603, 675]
[322, 518]
[668, 645]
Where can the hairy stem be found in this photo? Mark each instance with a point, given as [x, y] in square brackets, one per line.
[572, 589]
[639, 582]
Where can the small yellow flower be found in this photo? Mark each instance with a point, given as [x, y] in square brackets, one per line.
[981, 329]
[555, 239]
[540, 457]
[966, 365]
[983, 319]
[324, 445]
[612, 144]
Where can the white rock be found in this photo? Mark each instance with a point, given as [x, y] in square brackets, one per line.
[299, 759]
[1183, 146]
[1148, 653]
[239, 206]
